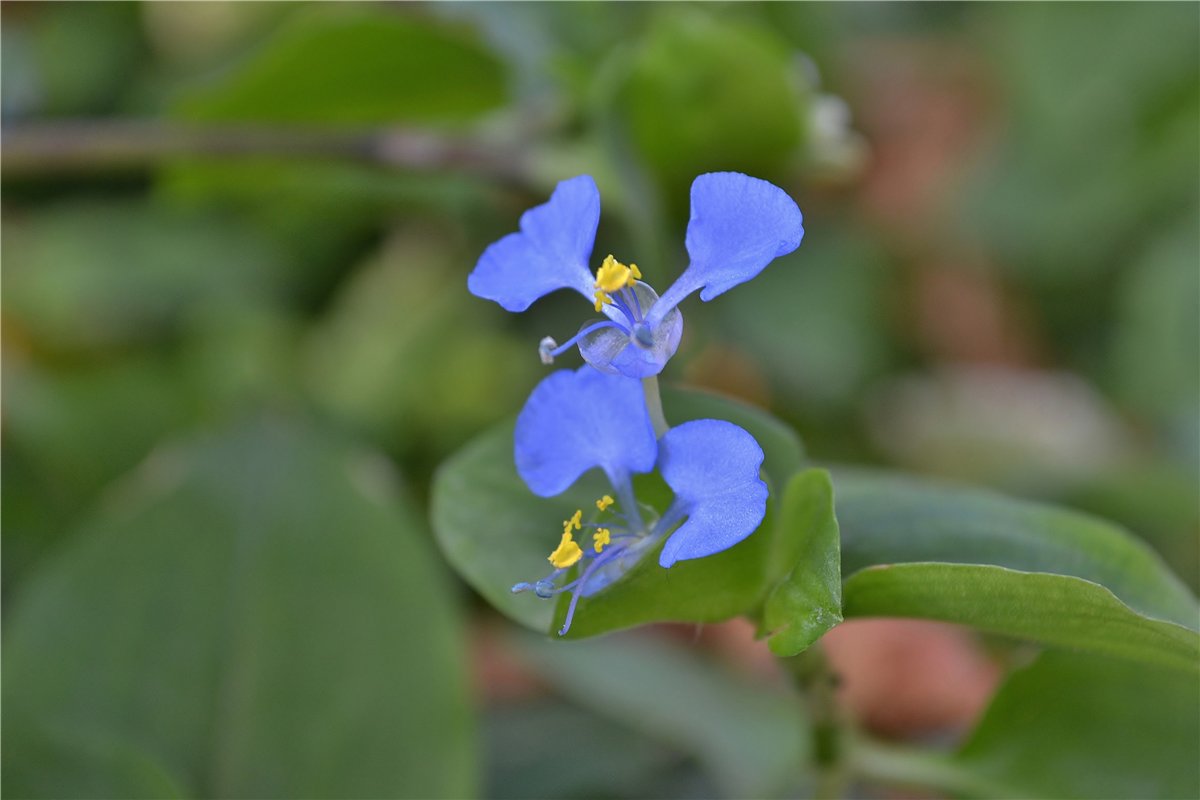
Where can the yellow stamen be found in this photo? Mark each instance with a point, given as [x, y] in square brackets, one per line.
[576, 522]
[613, 276]
[600, 538]
[568, 553]
[604, 502]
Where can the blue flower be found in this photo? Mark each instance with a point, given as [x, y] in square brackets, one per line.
[580, 420]
[738, 225]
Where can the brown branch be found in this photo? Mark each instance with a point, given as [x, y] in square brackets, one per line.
[83, 146]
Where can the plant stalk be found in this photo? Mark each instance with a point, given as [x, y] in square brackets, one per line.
[654, 405]
[817, 684]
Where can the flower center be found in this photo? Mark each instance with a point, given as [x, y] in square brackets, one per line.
[612, 277]
[615, 546]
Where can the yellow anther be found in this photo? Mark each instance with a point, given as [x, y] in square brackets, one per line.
[637, 273]
[601, 300]
[575, 522]
[568, 553]
[604, 502]
[613, 275]
[600, 538]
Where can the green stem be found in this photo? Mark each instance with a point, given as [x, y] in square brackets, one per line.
[817, 684]
[654, 405]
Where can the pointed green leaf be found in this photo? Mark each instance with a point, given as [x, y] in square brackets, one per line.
[893, 520]
[808, 601]
[1053, 609]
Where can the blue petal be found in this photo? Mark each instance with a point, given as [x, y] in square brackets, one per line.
[551, 251]
[712, 466]
[575, 421]
[739, 225]
[611, 350]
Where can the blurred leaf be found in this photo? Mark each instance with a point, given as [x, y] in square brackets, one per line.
[496, 533]
[1156, 346]
[251, 615]
[1079, 726]
[1102, 139]
[749, 736]
[86, 275]
[1069, 725]
[62, 763]
[534, 750]
[345, 67]
[808, 601]
[890, 520]
[105, 47]
[356, 67]
[816, 321]
[404, 353]
[1155, 498]
[68, 432]
[701, 94]
[1053, 609]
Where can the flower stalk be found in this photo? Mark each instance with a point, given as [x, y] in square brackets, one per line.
[817, 683]
[654, 405]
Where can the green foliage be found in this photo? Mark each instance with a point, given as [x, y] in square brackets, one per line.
[668, 695]
[233, 590]
[1156, 343]
[893, 520]
[254, 612]
[1068, 725]
[818, 333]
[88, 275]
[72, 59]
[1079, 726]
[807, 602]
[403, 353]
[551, 748]
[1052, 609]
[349, 67]
[701, 94]
[1103, 139]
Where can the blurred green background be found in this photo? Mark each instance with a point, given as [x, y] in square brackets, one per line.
[237, 341]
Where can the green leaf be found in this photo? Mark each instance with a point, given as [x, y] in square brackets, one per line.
[749, 736]
[404, 353]
[702, 94]
[534, 750]
[1069, 725]
[892, 520]
[86, 275]
[808, 601]
[107, 57]
[353, 67]
[252, 614]
[71, 430]
[496, 533]
[1052, 609]
[1077, 726]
